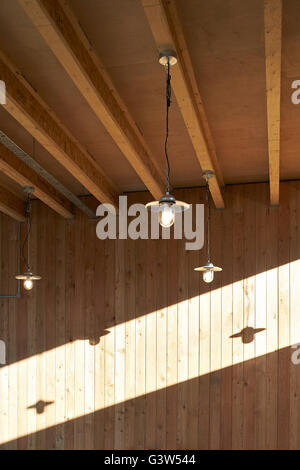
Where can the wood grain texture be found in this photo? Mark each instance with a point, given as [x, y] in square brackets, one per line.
[30, 110]
[168, 35]
[64, 35]
[273, 32]
[128, 348]
[22, 174]
[12, 205]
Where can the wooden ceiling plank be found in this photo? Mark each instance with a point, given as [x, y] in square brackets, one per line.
[28, 108]
[62, 32]
[273, 33]
[11, 205]
[23, 175]
[165, 25]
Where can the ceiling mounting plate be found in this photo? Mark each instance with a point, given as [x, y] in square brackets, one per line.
[207, 175]
[28, 189]
[166, 56]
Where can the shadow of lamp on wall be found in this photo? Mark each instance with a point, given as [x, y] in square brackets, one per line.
[95, 339]
[40, 406]
[247, 334]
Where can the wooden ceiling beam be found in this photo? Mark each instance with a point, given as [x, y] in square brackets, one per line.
[62, 32]
[23, 175]
[12, 205]
[273, 32]
[165, 25]
[28, 108]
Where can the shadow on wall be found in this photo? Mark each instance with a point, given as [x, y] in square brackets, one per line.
[247, 335]
[40, 406]
[251, 405]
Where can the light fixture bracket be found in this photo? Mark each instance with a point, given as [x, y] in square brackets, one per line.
[207, 175]
[28, 190]
[167, 199]
[166, 57]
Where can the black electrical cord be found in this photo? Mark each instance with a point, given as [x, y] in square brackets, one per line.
[168, 102]
[26, 239]
[208, 221]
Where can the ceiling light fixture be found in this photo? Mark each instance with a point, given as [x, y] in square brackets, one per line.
[208, 269]
[27, 277]
[167, 206]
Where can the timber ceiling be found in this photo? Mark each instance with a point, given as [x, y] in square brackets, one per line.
[226, 43]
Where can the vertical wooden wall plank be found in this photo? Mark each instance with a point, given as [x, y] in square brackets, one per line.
[60, 358]
[140, 285]
[32, 332]
[151, 351]
[11, 348]
[161, 336]
[80, 250]
[238, 324]
[109, 341]
[183, 337]
[120, 363]
[260, 338]
[249, 315]
[22, 342]
[205, 348]
[283, 320]
[216, 334]
[41, 296]
[4, 306]
[227, 341]
[193, 338]
[71, 227]
[130, 295]
[50, 307]
[90, 337]
[101, 332]
[172, 345]
[271, 227]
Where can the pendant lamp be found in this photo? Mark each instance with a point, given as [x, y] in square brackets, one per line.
[167, 206]
[208, 269]
[27, 277]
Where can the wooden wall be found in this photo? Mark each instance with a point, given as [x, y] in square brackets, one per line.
[130, 349]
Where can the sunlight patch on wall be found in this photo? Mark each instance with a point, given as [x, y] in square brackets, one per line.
[163, 348]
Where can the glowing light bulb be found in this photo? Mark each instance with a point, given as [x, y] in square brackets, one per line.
[208, 276]
[166, 215]
[28, 284]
